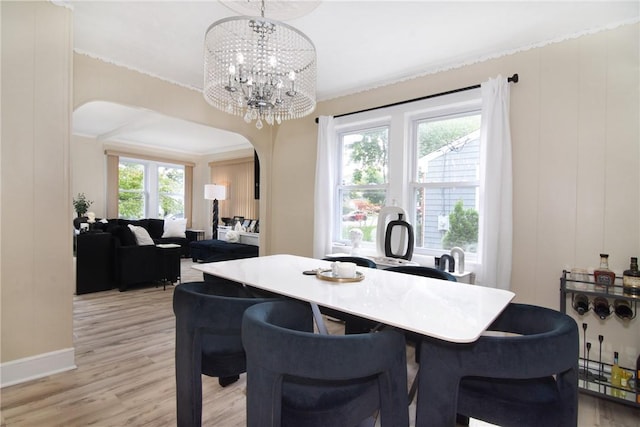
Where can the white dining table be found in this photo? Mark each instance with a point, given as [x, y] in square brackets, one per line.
[451, 311]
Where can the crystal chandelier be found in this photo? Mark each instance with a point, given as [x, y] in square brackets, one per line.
[261, 69]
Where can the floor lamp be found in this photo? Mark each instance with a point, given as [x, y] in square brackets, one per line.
[215, 192]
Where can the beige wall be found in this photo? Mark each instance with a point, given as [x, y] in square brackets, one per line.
[576, 162]
[36, 276]
[238, 177]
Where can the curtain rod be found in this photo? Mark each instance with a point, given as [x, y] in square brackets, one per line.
[512, 79]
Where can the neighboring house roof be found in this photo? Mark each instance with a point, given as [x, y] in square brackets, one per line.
[452, 146]
[435, 158]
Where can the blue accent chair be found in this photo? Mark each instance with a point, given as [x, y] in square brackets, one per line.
[526, 379]
[352, 324]
[361, 262]
[417, 270]
[298, 378]
[208, 321]
[433, 273]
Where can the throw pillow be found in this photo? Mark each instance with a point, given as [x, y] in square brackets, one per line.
[233, 236]
[155, 227]
[175, 228]
[123, 234]
[142, 235]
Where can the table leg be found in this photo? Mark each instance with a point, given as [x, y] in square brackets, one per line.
[322, 328]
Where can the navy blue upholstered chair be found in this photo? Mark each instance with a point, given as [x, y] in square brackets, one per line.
[298, 378]
[412, 337]
[362, 262]
[417, 270]
[528, 379]
[248, 291]
[208, 321]
[352, 324]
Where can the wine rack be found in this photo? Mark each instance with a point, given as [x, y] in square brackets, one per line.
[595, 375]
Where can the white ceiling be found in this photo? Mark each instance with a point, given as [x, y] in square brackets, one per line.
[107, 121]
[360, 44]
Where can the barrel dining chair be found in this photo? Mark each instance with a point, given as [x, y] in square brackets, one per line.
[359, 261]
[412, 337]
[299, 378]
[208, 321]
[352, 324]
[527, 377]
[417, 270]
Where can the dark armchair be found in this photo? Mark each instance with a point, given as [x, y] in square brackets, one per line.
[352, 324]
[526, 379]
[208, 321]
[298, 378]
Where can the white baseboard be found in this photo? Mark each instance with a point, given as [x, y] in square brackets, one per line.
[34, 367]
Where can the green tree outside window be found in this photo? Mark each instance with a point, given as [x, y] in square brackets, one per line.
[463, 228]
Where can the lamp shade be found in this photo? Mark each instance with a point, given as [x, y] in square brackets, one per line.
[215, 192]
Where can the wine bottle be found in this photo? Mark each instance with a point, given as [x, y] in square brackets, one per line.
[601, 307]
[581, 304]
[604, 277]
[631, 278]
[623, 309]
[616, 377]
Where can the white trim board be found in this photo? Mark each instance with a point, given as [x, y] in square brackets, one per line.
[38, 366]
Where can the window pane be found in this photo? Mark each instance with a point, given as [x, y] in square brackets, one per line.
[359, 209]
[171, 191]
[171, 206]
[447, 217]
[131, 205]
[446, 196]
[131, 196]
[365, 157]
[448, 150]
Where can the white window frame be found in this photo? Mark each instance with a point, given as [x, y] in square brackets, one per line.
[144, 192]
[150, 182]
[401, 181]
[445, 113]
[360, 126]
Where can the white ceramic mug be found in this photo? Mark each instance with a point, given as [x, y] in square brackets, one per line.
[334, 268]
[347, 270]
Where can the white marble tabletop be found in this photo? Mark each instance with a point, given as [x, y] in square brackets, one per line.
[450, 311]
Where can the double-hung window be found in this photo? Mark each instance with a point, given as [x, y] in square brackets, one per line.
[363, 176]
[446, 182]
[149, 189]
[423, 157]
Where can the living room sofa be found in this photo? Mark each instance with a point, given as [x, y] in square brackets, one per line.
[119, 228]
[133, 263]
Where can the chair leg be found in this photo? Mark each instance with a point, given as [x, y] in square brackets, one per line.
[188, 379]
[225, 381]
[413, 390]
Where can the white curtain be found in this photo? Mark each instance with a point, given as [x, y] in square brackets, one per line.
[496, 228]
[325, 186]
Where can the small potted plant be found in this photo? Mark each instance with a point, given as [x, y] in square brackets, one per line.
[81, 204]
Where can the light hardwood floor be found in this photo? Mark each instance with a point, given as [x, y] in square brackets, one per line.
[125, 377]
